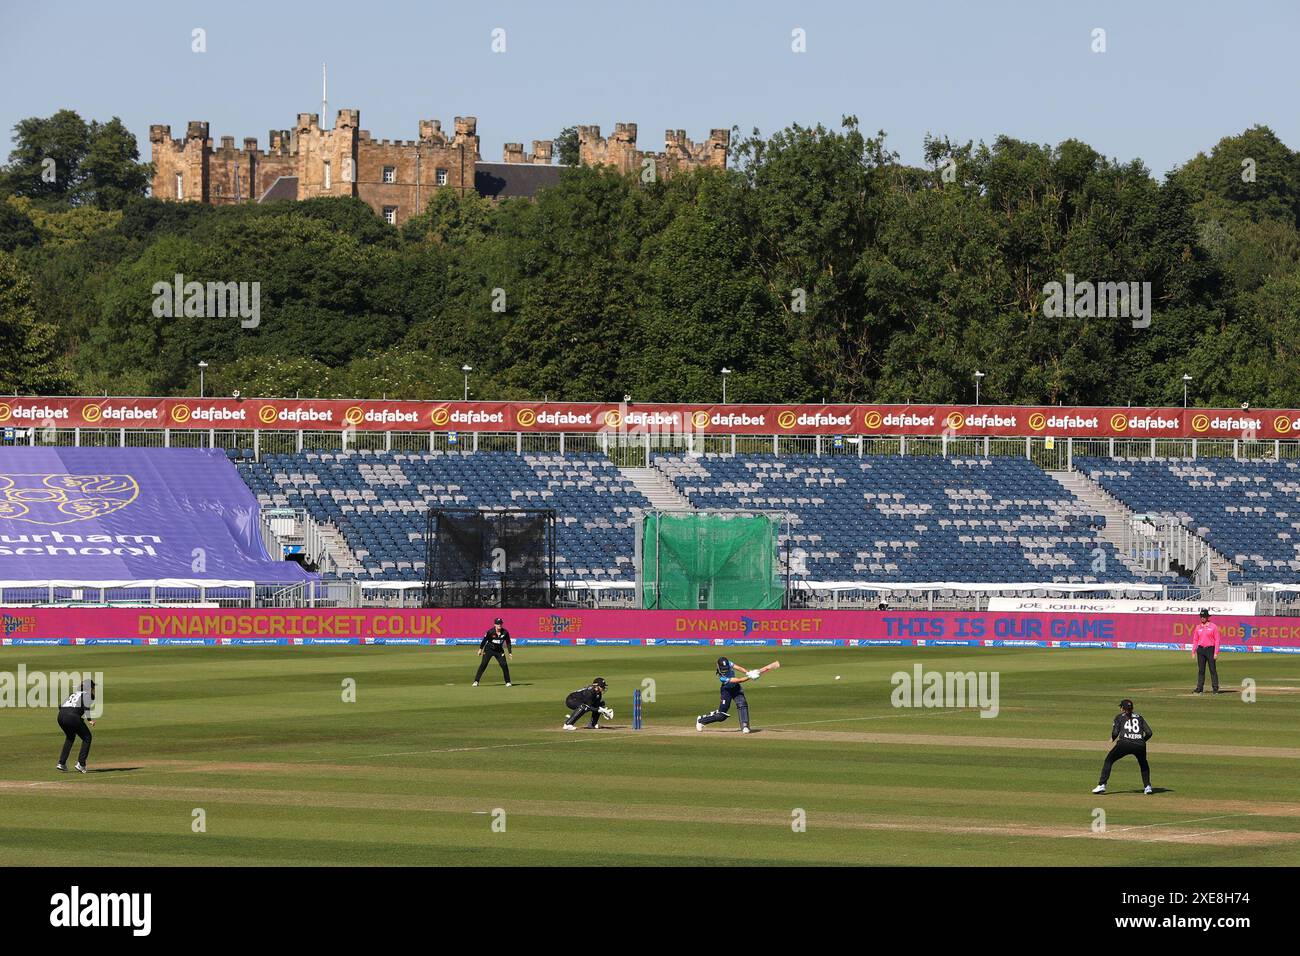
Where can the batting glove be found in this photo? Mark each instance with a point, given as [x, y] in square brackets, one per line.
[607, 713]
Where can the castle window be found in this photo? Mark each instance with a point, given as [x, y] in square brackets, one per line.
[390, 174]
[442, 177]
[327, 174]
[180, 186]
[390, 215]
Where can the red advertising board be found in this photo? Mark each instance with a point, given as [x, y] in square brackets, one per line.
[978, 421]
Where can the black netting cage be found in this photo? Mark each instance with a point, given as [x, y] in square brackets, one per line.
[489, 558]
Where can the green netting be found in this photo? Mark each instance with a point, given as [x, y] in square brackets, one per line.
[710, 560]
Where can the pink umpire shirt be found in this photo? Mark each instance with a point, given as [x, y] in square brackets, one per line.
[1206, 635]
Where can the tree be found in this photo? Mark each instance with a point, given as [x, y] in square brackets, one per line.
[565, 148]
[16, 228]
[62, 160]
[113, 175]
[45, 163]
[30, 363]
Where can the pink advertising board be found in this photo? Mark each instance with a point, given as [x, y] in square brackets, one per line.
[434, 627]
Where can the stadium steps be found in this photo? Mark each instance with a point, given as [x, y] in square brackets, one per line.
[1118, 515]
[337, 547]
[658, 489]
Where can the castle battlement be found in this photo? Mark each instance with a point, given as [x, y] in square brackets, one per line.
[397, 178]
[620, 151]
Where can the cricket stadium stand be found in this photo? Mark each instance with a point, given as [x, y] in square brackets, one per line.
[1247, 510]
[852, 519]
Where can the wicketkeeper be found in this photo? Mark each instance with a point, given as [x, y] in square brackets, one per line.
[588, 700]
[731, 691]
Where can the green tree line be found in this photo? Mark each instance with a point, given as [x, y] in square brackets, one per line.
[818, 268]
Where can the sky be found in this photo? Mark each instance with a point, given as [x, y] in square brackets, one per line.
[1174, 78]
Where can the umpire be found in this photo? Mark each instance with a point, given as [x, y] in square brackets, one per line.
[1129, 735]
[495, 644]
[73, 724]
[1205, 649]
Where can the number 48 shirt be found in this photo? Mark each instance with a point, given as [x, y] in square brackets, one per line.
[1131, 729]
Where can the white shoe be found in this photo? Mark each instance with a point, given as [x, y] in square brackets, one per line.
[61, 766]
[475, 684]
[569, 727]
[744, 730]
[507, 683]
[1147, 789]
[698, 725]
[1100, 788]
[80, 768]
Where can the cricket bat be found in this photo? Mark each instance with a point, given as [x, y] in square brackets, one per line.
[770, 667]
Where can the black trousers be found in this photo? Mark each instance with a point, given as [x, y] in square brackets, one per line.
[73, 726]
[500, 659]
[1123, 748]
[580, 707]
[1205, 655]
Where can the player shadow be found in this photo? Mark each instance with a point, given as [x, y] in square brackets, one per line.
[112, 769]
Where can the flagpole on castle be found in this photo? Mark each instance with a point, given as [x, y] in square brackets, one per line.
[324, 97]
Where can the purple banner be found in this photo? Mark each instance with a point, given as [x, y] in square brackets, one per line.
[130, 515]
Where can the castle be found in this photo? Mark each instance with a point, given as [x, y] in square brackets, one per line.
[398, 178]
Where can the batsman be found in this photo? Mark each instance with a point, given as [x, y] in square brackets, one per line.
[733, 690]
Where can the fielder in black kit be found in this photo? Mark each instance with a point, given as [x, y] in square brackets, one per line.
[495, 645]
[1130, 733]
[588, 700]
[73, 724]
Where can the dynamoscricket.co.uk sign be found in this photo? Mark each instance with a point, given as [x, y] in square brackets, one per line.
[976, 421]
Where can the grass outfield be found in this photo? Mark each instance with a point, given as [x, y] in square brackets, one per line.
[287, 773]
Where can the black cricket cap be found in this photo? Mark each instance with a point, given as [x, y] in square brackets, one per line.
[1126, 704]
[1205, 612]
[498, 621]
